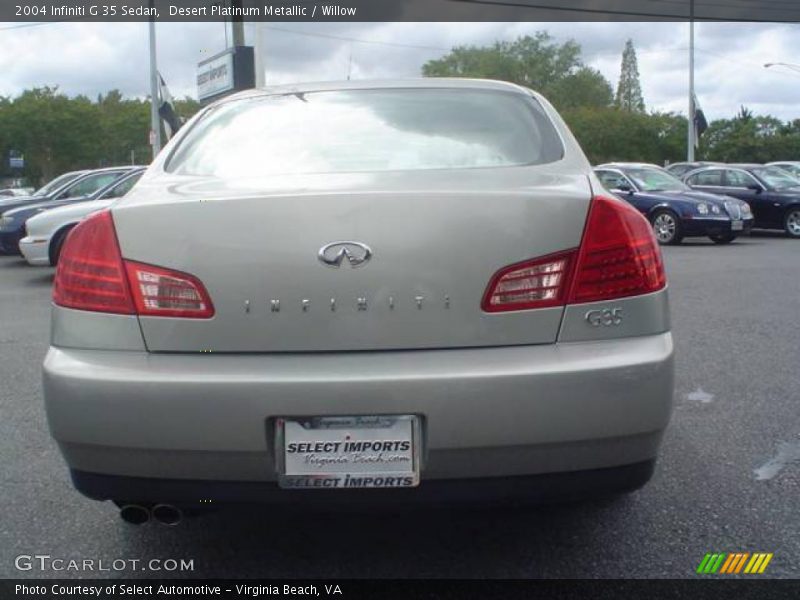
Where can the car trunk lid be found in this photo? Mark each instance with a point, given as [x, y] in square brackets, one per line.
[437, 237]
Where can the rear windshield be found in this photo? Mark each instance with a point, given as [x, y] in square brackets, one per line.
[368, 130]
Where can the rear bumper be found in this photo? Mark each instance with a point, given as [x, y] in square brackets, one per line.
[208, 494]
[488, 412]
[35, 250]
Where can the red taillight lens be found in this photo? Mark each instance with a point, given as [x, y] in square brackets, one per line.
[92, 275]
[166, 293]
[619, 255]
[532, 284]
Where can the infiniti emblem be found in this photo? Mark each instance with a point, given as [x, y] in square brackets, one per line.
[334, 253]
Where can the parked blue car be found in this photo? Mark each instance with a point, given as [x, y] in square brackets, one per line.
[674, 209]
[772, 193]
[92, 186]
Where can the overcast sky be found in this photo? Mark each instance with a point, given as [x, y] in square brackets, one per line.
[90, 58]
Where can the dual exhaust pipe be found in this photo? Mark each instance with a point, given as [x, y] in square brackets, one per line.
[137, 514]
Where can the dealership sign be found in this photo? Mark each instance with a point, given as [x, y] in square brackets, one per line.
[215, 76]
[224, 73]
[16, 160]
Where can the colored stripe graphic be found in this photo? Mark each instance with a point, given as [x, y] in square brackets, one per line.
[755, 562]
[764, 564]
[733, 563]
[741, 562]
[711, 563]
[718, 564]
[701, 568]
[730, 564]
[727, 565]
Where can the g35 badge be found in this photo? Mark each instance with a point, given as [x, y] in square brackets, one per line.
[604, 317]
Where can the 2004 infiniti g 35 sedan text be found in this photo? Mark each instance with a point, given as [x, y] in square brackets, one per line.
[405, 284]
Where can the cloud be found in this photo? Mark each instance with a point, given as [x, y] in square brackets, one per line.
[92, 58]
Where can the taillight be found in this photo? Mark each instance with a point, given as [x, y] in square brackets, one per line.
[165, 293]
[92, 275]
[536, 283]
[618, 257]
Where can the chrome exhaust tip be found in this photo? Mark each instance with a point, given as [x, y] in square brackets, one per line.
[166, 514]
[134, 514]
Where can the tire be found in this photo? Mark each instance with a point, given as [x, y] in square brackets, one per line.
[56, 243]
[791, 222]
[723, 238]
[667, 227]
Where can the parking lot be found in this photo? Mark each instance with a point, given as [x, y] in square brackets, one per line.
[728, 479]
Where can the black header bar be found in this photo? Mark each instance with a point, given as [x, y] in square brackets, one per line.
[27, 11]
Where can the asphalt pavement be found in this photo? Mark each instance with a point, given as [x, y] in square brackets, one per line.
[728, 479]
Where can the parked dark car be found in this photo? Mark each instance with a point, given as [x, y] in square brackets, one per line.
[679, 169]
[772, 193]
[673, 208]
[85, 184]
[791, 166]
[93, 186]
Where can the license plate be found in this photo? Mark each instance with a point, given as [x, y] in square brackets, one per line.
[348, 452]
[737, 225]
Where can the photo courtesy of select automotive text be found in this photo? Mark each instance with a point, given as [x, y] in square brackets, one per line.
[372, 299]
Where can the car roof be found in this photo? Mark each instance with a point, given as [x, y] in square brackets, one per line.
[119, 168]
[629, 165]
[371, 84]
[744, 165]
[703, 169]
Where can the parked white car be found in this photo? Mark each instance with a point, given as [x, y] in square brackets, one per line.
[47, 231]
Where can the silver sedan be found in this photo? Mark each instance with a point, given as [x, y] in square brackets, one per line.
[320, 290]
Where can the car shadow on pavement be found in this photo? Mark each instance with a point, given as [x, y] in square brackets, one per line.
[11, 261]
[761, 237]
[429, 542]
[754, 238]
[41, 280]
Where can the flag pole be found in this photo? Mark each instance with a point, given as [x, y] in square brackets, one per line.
[690, 133]
[258, 50]
[155, 124]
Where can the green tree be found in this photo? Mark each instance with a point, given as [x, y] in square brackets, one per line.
[610, 134]
[186, 107]
[56, 133]
[537, 62]
[584, 87]
[750, 138]
[52, 131]
[629, 89]
[123, 125]
[744, 115]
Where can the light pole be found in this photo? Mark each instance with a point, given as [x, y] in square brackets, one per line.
[155, 122]
[258, 51]
[690, 131]
[792, 66]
